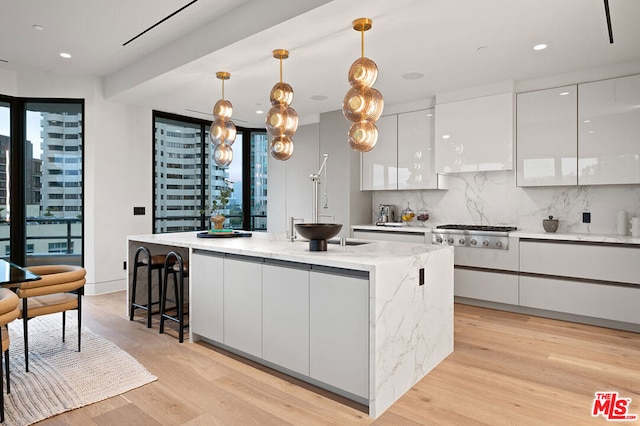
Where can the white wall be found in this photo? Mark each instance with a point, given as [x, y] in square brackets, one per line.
[118, 171]
[290, 190]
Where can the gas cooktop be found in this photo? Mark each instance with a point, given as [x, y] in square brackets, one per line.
[486, 228]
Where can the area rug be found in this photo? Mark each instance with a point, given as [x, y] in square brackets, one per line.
[61, 378]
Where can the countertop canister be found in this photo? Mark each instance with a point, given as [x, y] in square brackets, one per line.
[623, 223]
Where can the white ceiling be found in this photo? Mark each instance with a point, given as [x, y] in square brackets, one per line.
[172, 67]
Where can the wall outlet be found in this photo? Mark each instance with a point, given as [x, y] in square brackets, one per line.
[124, 265]
[586, 217]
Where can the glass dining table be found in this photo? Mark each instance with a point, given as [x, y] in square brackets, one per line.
[11, 275]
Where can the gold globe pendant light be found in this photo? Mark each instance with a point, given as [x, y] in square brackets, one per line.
[222, 132]
[282, 120]
[362, 105]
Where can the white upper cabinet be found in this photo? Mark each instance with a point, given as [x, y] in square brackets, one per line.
[475, 134]
[380, 165]
[416, 157]
[609, 131]
[404, 156]
[547, 137]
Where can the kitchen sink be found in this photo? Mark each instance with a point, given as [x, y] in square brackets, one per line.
[348, 242]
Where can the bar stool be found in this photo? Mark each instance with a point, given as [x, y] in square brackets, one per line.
[177, 266]
[151, 262]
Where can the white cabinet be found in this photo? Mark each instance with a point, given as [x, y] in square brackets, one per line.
[339, 331]
[581, 260]
[483, 285]
[285, 316]
[475, 134]
[404, 157]
[398, 236]
[380, 165]
[416, 153]
[206, 305]
[547, 137]
[594, 280]
[243, 304]
[609, 125]
[611, 302]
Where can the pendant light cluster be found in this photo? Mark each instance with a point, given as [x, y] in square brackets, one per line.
[281, 120]
[362, 105]
[223, 131]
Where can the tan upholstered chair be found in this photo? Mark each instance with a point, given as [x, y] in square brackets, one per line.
[8, 312]
[51, 294]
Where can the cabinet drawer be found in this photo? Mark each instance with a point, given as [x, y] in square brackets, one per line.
[398, 236]
[580, 260]
[611, 302]
[489, 286]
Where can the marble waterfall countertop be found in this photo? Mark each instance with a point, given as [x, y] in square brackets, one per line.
[276, 246]
[410, 299]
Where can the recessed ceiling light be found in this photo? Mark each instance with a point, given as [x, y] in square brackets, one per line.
[38, 27]
[65, 55]
[540, 46]
[429, 115]
[587, 121]
[319, 97]
[412, 76]
[446, 136]
[259, 111]
[564, 93]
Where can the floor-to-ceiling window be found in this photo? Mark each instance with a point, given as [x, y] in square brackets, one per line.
[186, 179]
[41, 141]
[5, 153]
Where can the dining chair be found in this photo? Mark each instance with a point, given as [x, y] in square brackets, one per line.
[60, 290]
[9, 311]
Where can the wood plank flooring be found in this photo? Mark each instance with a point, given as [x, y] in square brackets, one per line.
[506, 369]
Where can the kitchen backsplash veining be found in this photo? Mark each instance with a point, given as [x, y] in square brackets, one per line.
[492, 198]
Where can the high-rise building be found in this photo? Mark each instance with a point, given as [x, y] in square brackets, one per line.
[61, 190]
[178, 180]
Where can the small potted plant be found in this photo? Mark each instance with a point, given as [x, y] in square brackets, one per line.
[219, 204]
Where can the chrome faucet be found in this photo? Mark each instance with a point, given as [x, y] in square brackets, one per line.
[291, 235]
[315, 178]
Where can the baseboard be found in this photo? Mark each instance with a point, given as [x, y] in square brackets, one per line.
[92, 289]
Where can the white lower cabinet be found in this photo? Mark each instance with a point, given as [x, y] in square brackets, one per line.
[339, 331]
[489, 286]
[612, 302]
[243, 304]
[207, 295]
[285, 316]
[311, 320]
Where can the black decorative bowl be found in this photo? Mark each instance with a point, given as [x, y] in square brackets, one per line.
[318, 234]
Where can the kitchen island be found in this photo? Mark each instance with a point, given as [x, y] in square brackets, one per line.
[365, 321]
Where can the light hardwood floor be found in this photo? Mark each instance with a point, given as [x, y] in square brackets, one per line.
[506, 369]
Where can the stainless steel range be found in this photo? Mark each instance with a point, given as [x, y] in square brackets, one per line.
[473, 236]
[482, 277]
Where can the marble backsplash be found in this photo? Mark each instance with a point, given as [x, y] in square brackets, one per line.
[492, 198]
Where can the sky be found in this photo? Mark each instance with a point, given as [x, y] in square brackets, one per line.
[33, 128]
